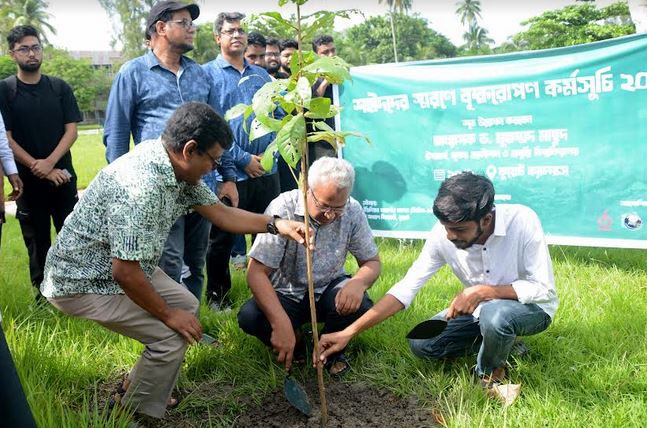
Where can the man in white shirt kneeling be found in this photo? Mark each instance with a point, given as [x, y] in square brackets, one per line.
[500, 256]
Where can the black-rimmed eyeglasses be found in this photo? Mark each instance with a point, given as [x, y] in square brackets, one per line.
[215, 162]
[184, 23]
[327, 209]
[24, 50]
[233, 31]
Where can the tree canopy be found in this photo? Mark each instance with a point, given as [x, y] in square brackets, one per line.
[469, 11]
[24, 12]
[128, 18]
[416, 40]
[574, 24]
[88, 84]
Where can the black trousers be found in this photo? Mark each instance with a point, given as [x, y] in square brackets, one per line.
[285, 176]
[13, 404]
[254, 194]
[253, 321]
[41, 204]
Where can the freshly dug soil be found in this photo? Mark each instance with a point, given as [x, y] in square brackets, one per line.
[349, 406]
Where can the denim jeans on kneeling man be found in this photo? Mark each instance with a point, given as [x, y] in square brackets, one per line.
[491, 335]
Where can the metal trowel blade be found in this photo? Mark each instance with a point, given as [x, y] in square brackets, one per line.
[297, 396]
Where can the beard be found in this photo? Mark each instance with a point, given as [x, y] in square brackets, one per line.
[273, 67]
[29, 67]
[463, 245]
[182, 47]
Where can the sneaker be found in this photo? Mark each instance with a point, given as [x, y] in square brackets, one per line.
[239, 262]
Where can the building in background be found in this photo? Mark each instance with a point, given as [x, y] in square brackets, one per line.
[108, 62]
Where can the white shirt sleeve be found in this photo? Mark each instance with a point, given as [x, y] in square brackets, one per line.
[535, 267]
[6, 155]
[427, 263]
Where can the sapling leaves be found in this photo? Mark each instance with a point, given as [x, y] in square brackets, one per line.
[235, 111]
[304, 91]
[267, 160]
[333, 69]
[289, 139]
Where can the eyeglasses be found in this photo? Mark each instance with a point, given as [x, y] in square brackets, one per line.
[215, 163]
[184, 23]
[272, 54]
[24, 50]
[327, 209]
[233, 31]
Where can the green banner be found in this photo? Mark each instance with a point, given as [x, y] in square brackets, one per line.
[563, 131]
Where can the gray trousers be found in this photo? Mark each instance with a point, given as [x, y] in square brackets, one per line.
[154, 376]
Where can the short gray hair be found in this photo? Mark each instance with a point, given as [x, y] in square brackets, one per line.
[331, 170]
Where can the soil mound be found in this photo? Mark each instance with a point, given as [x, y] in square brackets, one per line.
[350, 405]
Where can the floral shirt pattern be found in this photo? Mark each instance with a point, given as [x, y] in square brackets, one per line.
[126, 212]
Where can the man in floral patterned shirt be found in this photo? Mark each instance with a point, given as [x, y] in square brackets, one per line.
[103, 266]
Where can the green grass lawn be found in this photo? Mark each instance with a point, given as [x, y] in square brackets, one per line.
[589, 369]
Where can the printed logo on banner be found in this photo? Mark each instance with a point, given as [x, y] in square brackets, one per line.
[605, 222]
[440, 174]
[632, 221]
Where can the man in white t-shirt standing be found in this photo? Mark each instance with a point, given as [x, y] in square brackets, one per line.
[500, 256]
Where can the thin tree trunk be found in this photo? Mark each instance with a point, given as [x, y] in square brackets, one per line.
[395, 46]
[311, 292]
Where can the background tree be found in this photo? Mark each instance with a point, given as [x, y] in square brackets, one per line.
[416, 41]
[477, 40]
[128, 21]
[24, 12]
[399, 6]
[7, 67]
[469, 11]
[78, 73]
[205, 47]
[575, 24]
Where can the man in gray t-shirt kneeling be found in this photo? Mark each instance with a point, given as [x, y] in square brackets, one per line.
[277, 273]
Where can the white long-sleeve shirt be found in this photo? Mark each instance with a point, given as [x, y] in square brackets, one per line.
[515, 254]
[6, 155]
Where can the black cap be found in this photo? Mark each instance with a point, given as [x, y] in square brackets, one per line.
[168, 6]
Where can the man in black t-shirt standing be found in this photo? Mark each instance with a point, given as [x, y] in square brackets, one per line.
[40, 114]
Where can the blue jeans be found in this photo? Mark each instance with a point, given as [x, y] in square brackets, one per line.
[491, 336]
[187, 245]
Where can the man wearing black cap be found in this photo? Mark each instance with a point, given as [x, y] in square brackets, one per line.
[144, 94]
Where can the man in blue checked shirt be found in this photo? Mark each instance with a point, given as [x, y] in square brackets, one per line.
[144, 94]
[236, 81]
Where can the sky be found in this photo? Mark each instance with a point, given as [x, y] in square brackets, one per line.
[84, 25]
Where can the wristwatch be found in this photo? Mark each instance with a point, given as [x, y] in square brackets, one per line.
[271, 226]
